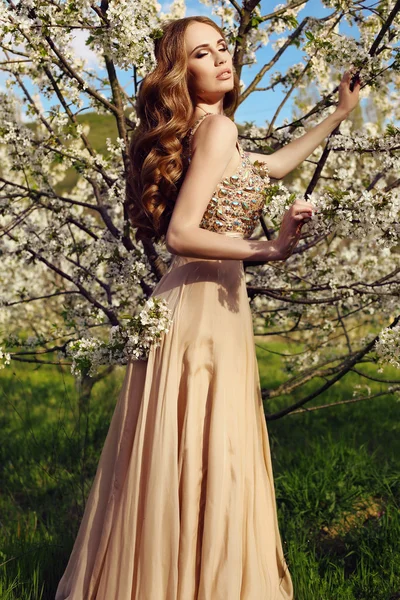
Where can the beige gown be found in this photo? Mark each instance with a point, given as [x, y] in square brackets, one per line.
[182, 506]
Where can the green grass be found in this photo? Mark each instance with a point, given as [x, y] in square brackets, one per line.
[327, 463]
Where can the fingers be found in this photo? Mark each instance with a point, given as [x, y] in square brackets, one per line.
[302, 216]
[298, 215]
[350, 80]
[355, 81]
[303, 204]
[302, 209]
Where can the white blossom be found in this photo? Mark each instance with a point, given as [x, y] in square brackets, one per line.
[388, 346]
[132, 340]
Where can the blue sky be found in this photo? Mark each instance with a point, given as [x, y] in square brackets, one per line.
[260, 106]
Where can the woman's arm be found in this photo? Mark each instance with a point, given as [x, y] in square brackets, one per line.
[215, 145]
[284, 160]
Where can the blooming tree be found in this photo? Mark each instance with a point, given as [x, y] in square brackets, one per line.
[72, 256]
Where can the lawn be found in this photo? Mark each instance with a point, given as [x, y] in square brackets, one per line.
[336, 476]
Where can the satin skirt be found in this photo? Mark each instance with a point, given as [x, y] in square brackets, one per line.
[182, 506]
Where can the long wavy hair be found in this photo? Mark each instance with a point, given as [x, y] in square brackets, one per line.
[165, 107]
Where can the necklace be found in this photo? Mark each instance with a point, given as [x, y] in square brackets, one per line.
[201, 108]
[204, 111]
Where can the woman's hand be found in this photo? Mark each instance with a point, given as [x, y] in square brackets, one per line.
[348, 99]
[290, 231]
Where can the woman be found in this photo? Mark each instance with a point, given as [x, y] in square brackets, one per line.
[183, 504]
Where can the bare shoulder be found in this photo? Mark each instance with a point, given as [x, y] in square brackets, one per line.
[215, 131]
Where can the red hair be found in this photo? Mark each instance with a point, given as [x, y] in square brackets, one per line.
[164, 106]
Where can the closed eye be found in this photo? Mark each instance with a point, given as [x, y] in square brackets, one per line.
[201, 55]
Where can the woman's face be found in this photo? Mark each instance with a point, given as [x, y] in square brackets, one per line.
[206, 63]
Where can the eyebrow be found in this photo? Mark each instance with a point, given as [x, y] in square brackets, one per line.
[205, 45]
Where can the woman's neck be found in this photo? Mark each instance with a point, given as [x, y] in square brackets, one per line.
[207, 111]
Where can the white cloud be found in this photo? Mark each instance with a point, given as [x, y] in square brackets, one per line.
[84, 52]
[92, 60]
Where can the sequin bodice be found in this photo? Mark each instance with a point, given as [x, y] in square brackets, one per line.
[237, 202]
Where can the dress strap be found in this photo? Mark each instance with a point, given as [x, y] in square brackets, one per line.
[193, 129]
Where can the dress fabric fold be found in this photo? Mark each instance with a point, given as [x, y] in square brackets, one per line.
[182, 506]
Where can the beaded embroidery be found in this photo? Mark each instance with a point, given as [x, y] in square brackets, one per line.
[237, 202]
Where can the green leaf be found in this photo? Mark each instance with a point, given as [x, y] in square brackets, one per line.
[392, 129]
[156, 34]
[255, 21]
[291, 20]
